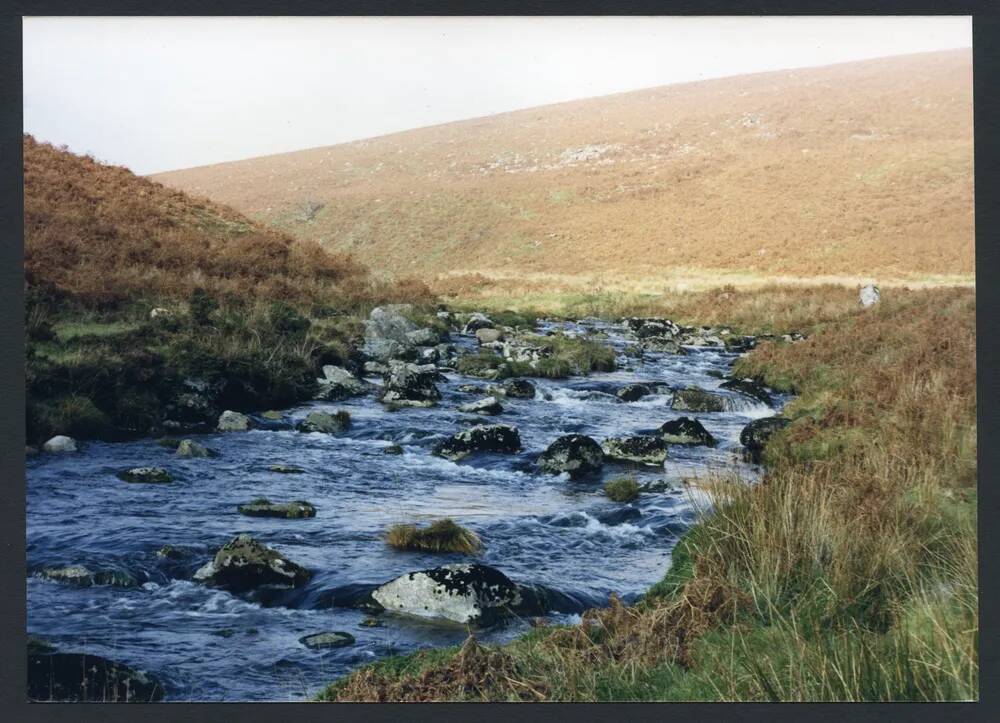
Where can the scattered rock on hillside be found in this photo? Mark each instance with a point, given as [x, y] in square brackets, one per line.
[487, 405]
[501, 438]
[243, 564]
[81, 678]
[642, 449]
[869, 296]
[464, 594]
[325, 422]
[686, 431]
[230, 421]
[633, 392]
[695, 399]
[146, 475]
[575, 454]
[60, 444]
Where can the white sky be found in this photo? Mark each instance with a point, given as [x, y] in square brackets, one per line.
[163, 93]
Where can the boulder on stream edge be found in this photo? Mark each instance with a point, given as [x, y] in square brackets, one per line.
[243, 564]
[502, 438]
[642, 449]
[81, 678]
[230, 421]
[390, 334]
[575, 454]
[467, 594]
[686, 431]
[324, 422]
[296, 509]
[60, 444]
[749, 387]
[696, 399]
[146, 475]
[755, 435]
[338, 384]
[410, 385]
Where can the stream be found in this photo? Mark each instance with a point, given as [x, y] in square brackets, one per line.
[206, 644]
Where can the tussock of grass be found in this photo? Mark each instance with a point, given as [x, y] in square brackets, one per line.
[621, 489]
[849, 574]
[441, 536]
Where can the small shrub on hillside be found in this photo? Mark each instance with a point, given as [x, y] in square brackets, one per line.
[441, 536]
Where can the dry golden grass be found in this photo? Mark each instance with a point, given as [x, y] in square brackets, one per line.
[440, 536]
[861, 170]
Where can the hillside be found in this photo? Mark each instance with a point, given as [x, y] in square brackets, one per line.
[860, 169]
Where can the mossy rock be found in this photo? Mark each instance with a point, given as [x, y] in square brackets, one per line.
[297, 509]
[146, 475]
[319, 641]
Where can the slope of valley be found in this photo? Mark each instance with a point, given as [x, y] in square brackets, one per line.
[859, 169]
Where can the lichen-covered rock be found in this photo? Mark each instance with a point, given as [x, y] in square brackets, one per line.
[244, 564]
[695, 399]
[633, 392]
[486, 405]
[464, 594]
[477, 321]
[191, 449]
[519, 389]
[338, 383]
[488, 336]
[869, 296]
[411, 385]
[60, 444]
[296, 509]
[645, 328]
[336, 639]
[664, 345]
[423, 337]
[82, 678]
[325, 423]
[386, 332]
[749, 387]
[230, 421]
[575, 454]
[81, 576]
[686, 431]
[146, 475]
[642, 449]
[755, 435]
[501, 438]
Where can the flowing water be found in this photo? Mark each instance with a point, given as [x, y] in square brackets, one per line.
[207, 644]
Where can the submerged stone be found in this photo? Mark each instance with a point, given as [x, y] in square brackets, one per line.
[81, 576]
[288, 510]
[336, 639]
[286, 469]
[146, 475]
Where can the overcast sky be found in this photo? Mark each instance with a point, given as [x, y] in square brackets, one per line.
[163, 93]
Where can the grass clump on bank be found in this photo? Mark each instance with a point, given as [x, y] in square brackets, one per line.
[440, 536]
[849, 574]
[621, 489]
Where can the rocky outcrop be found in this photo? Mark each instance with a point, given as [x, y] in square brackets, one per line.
[244, 564]
[338, 383]
[325, 423]
[319, 641]
[146, 475]
[81, 678]
[575, 454]
[633, 392]
[749, 387]
[642, 449]
[695, 399]
[296, 509]
[755, 435]
[465, 594]
[686, 431]
[498, 438]
[409, 385]
[60, 444]
[487, 405]
[230, 421]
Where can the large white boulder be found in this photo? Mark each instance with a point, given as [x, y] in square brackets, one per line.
[60, 443]
[869, 295]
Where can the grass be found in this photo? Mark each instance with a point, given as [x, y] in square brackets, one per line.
[567, 355]
[440, 536]
[849, 574]
[621, 489]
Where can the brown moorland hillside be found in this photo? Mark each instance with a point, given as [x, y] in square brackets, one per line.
[859, 169]
[102, 235]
